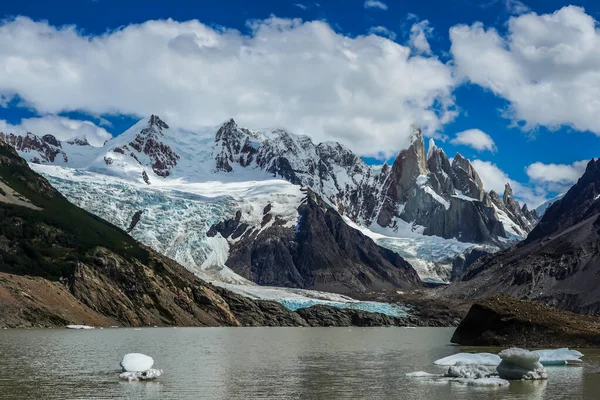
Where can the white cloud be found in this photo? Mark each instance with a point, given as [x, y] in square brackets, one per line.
[547, 66]
[418, 37]
[302, 6]
[495, 179]
[566, 174]
[376, 4]
[62, 128]
[476, 139]
[363, 91]
[516, 7]
[383, 31]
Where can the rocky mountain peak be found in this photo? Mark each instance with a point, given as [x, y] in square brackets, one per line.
[508, 194]
[47, 149]
[150, 141]
[234, 145]
[466, 179]
[155, 121]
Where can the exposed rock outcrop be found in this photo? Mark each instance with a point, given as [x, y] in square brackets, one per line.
[504, 321]
[47, 147]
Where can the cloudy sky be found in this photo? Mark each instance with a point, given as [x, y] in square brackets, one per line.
[513, 86]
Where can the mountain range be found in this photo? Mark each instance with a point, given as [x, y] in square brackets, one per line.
[236, 206]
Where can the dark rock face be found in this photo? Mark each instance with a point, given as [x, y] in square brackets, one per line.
[408, 166]
[322, 252]
[461, 264]
[505, 321]
[48, 147]
[465, 178]
[79, 142]
[559, 261]
[328, 316]
[145, 177]
[134, 220]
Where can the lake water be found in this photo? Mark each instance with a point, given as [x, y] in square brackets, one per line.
[257, 363]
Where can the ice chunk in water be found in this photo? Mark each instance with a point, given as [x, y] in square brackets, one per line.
[136, 362]
[468, 358]
[140, 376]
[471, 371]
[79, 327]
[559, 356]
[520, 364]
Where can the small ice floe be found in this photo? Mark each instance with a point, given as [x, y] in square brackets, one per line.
[421, 374]
[468, 358]
[520, 364]
[140, 376]
[138, 366]
[559, 356]
[410, 327]
[488, 382]
[79, 327]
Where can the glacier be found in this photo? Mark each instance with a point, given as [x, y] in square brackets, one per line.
[177, 216]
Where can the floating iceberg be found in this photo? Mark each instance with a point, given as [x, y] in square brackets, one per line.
[136, 362]
[520, 364]
[140, 376]
[547, 357]
[469, 371]
[559, 356]
[79, 327]
[468, 358]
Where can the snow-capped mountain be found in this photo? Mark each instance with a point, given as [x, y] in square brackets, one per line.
[426, 209]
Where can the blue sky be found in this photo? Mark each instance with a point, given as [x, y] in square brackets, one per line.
[535, 144]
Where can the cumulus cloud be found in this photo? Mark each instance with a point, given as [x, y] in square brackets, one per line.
[418, 37]
[495, 179]
[559, 173]
[376, 4]
[62, 128]
[547, 67]
[476, 139]
[383, 31]
[302, 6]
[363, 91]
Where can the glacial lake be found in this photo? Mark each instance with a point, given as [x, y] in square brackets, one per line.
[258, 363]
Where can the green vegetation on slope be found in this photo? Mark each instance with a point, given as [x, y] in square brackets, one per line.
[50, 241]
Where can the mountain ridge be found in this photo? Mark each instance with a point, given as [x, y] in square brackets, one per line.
[420, 194]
